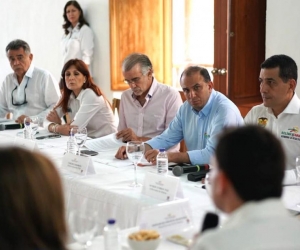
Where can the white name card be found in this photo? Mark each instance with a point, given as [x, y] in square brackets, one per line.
[162, 187]
[78, 164]
[167, 218]
[30, 145]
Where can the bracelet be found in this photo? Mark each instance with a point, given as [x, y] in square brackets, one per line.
[55, 128]
[51, 127]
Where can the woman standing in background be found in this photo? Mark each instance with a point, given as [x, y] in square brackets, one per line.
[77, 41]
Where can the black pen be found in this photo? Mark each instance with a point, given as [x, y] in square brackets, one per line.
[47, 136]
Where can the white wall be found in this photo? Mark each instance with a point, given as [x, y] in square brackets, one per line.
[283, 30]
[39, 23]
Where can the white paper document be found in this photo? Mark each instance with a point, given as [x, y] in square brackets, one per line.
[105, 143]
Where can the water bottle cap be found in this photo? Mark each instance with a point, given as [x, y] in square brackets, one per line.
[161, 150]
[111, 221]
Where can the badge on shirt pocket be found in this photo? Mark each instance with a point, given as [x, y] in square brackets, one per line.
[262, 121]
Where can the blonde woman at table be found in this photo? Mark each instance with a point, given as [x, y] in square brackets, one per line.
[78, 40]
[82, 104]
[31, 202]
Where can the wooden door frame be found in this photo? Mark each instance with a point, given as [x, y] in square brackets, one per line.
[239, 48]
[221, 8]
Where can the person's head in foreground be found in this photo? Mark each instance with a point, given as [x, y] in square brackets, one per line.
[248, 166]
[31, 202]
[246, 183]
[278, 80]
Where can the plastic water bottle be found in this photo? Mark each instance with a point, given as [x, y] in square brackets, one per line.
[71, 144]
[111, 235]
[162, 162]
[27, 132]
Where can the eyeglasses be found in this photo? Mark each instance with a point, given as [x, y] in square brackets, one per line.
[12, 96]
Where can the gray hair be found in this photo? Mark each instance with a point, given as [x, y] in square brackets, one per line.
[16, 44]
[132, 59]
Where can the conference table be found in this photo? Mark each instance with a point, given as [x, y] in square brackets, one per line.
[108, 191]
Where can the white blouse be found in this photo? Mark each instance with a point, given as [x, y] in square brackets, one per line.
[90, 111]
[79, 43]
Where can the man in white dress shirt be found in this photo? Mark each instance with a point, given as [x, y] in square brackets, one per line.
[29, 91]
[246, 183]
[280, 110]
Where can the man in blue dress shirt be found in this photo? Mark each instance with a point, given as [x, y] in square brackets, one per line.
[199, 120]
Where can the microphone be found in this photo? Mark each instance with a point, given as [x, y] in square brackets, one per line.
[11, 126]
[211, 220]
[179, 170]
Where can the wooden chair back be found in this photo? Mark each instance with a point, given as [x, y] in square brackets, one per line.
[116, 105]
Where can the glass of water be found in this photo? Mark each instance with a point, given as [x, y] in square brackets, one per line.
[34, 125]
[80, 135]
[135, 151]
[83, 226]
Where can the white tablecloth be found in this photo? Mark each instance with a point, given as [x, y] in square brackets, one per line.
[109, 193]
[108, 190]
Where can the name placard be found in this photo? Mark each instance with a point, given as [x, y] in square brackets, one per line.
[167, 218]
[162, 187]
[30, 145]
[78, 164]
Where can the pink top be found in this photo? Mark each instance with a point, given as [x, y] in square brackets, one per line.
[161, 106]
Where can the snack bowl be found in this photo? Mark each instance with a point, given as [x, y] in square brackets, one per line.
[144, 240]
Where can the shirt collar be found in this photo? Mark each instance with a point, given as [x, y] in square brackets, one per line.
[207, 107]
[151, 90]
[256, 209]
[73, 97]
[70, 29]
[29, 72]
[292, 108]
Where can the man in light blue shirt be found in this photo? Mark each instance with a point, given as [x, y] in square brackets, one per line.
[199, 120]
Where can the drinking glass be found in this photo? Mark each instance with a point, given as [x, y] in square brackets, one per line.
[34, 125]
[80, 135]
[135, 151]
[83, 226]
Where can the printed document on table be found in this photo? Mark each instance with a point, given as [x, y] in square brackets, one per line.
[105, 143]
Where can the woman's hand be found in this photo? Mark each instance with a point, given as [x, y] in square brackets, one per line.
[53, 117]
[64, 129]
